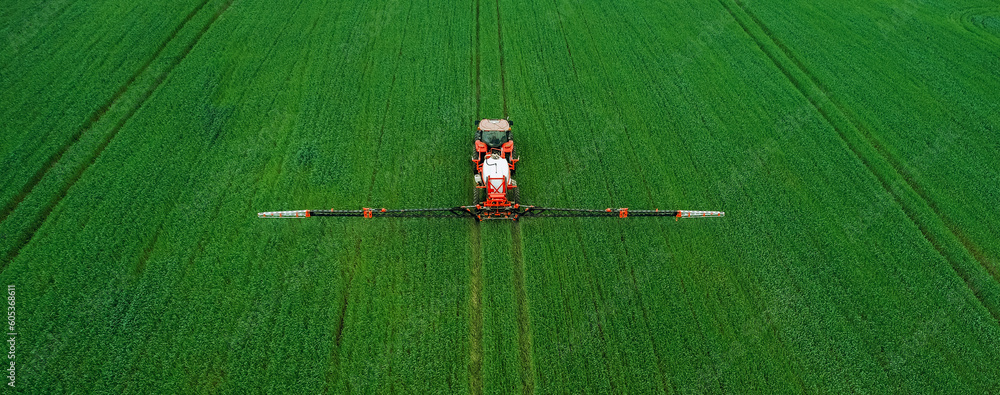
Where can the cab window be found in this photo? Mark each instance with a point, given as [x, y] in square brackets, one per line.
[494, 139]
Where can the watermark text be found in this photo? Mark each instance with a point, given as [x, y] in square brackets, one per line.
[12, 336]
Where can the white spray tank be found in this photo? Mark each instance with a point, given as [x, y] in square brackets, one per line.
[496, 171]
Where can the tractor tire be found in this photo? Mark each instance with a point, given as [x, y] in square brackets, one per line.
[514, 195]
[477, 196]
[513, 154]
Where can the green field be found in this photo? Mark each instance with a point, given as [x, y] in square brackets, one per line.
[852, 144]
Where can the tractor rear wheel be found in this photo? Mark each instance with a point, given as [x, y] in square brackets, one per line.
[514, 195]
[477, 195]
[513, 155]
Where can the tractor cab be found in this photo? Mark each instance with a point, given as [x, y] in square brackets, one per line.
[493, 136]
[493, 132]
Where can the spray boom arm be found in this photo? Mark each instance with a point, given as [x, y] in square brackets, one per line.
[373, 212]
[475, 211]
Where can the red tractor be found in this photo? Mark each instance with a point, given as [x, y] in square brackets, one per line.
[493, 166]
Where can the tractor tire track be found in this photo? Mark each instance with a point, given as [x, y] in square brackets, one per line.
[475, 236]
[147, 252]
[858, 139]
[82, 168]
[525, 354]
[475, 59]
[475, 310]
[95, 117]
[523, 313]
[503, 71]
[966, 18]
[562, 29]
[869, 138]
[333, 375]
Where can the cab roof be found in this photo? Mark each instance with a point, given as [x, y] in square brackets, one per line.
[500, 125]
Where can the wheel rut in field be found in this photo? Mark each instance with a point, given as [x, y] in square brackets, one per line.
[475, 237]
[475, 310]
[523, 312]
[984, 22]
[333, 374]
[475, 59]
[524, 339]
[147, 252]
[562, 29]
[96, 116]
[517, 250]
[939, 231]
[82, 167]
[503, 71]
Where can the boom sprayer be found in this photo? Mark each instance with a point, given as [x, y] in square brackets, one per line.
[496, 194]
